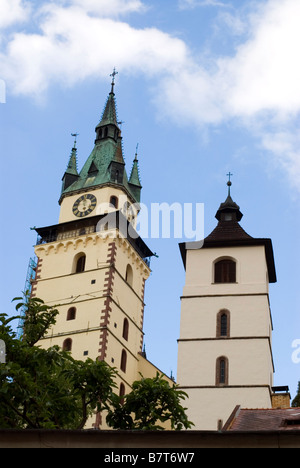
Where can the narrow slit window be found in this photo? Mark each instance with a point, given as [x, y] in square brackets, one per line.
[223, 324]
[222, 371]
[125, 329]
[123, 361]
[122, 393]
[129, 275]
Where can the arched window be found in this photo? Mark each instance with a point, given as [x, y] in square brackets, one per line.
[225, 271]
[222, 371]
[122, 393]
[129, 275]
[71, 315]
[114, 201]
[223, 324]
[123, 361]
[80, 263]
[125, 329]
[67, 345]
[106, 132]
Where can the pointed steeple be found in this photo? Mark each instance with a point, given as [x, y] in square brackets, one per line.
[109, 116]
[135, 176]
[229, 210]
[71, 175]
[108, 125]
[105, 165]
[228, 215]
[134, 180]
[72, 166]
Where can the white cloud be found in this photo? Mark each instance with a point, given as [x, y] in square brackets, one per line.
[258, 83]
[285, 146]
[258, 86]
[13, 11]
[73, 46]
[112, 8]
[190, 4]
[264, 75]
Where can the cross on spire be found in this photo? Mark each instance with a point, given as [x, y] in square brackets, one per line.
[229, 175]
[136, 152]
[113, 75]
[229, 183]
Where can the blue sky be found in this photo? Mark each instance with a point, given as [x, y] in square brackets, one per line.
[204, 86]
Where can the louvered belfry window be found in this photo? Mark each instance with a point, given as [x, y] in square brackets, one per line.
[225, 271]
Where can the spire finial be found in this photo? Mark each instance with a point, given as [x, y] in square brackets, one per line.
[229, 183]
[113, 75]
[136, 152]
[75, 135]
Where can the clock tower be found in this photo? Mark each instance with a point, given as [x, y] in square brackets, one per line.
[92, 265]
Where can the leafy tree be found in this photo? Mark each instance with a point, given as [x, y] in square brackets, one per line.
[296, 401]
[48, 389]
[42, 388]
[151, 401]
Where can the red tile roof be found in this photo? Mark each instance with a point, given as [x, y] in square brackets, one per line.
[227, 230]
[244, 420]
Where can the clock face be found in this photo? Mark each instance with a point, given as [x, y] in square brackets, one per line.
[84, 205]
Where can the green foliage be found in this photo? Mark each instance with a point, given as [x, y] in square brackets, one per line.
[296, 400]
[151, 401]
[47, 388]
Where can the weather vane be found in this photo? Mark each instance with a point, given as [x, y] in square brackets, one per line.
[75, 135]
[113, 75]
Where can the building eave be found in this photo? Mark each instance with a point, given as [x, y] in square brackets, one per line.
[122, 224]
[215, 244]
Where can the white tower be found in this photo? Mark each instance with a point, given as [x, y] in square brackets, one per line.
[225, 352]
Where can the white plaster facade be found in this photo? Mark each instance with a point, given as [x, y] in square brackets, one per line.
[246, 348]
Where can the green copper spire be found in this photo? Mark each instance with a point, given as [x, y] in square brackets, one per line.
[109, 116]
[134, 180]
[72, 166]
[71, 175]
[105, 165]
